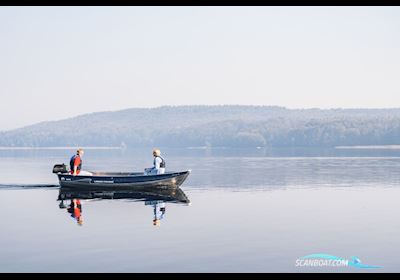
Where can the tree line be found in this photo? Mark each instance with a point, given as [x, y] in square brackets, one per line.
[215, 126]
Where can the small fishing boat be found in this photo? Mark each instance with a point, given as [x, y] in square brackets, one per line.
[109, 180]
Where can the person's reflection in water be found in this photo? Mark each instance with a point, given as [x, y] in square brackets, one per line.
[154, 198]
[75, 208]
[159, 212]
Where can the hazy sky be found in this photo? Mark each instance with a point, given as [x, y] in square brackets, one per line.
[58, 62]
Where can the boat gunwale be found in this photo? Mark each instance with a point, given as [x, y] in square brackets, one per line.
[124, 175]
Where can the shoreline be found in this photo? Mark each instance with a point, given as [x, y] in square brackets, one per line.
[60, 148]
[370, 147]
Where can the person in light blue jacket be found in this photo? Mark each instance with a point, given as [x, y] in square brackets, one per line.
[158, 164]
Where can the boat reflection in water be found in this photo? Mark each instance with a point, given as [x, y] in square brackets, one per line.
[154, 197]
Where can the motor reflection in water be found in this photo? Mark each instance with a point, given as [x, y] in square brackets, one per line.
[154, 197]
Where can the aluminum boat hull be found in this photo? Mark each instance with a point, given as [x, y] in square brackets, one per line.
[123, 180]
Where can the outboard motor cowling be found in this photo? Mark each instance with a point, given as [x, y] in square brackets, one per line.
[60, 168]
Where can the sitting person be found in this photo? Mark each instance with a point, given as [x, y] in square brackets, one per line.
[158, 164]
[76, 164]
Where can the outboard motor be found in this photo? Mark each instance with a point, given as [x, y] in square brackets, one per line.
[60, 168]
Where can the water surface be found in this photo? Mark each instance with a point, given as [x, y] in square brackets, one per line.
[249, 211]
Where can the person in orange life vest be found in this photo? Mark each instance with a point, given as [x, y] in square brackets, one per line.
[75, 208]
[76, 162]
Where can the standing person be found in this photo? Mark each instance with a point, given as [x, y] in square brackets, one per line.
[158, 164]
[76, 162]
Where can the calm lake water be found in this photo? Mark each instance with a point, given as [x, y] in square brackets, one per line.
[255, 210]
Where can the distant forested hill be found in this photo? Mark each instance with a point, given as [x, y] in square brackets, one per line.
[215, 126]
